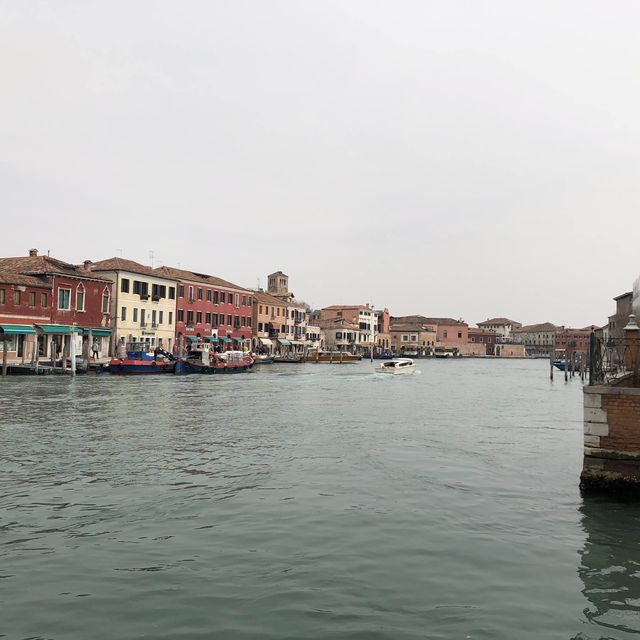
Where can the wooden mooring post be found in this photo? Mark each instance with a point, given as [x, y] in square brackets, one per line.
[5, 355]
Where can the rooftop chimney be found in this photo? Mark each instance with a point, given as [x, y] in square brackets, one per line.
[33, 253]
[87, 265]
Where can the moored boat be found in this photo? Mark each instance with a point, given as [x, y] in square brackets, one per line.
[332, 357]
[263, 358]
[397, 366]
[201, 359]
[139, 361]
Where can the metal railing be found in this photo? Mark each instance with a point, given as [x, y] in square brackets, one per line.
[612, 359]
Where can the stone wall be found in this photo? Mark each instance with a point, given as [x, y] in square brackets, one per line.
[611, 439]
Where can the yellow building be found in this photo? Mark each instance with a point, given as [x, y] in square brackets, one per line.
[143, 305]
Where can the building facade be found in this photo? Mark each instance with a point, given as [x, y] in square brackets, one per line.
[487, 338]
[502, 326]
[78, 305]
[208, 306]
[269, 317]
[143, 305]
[538, 339]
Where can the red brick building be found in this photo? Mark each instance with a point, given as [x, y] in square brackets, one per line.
[210, 306]
[485, 336]
[57, 300]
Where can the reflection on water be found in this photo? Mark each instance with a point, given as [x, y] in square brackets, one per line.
[610, 567]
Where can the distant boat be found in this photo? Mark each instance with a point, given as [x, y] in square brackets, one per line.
[139, 361]
[397, 366]
[291, 359]
[562, 365]
[262, 358]
[332, 357]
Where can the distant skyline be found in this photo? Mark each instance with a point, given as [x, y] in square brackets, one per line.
[454, 159]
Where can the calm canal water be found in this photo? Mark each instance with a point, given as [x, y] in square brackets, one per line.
[308, 501]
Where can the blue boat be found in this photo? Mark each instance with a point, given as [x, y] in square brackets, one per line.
[139, 361]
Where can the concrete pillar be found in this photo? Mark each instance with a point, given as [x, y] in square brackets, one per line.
[631, 333]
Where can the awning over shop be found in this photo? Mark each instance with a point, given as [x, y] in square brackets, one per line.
[266, 342]
[193, 338]
[225, 339]
[241, 339]
[284, 342]
[296, 342]
[56, 329]
[16, 329]
[97, 333]
[211, 338]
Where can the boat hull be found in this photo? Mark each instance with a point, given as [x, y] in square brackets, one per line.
[332, 358]
[217, 368]
[404, 371]
[140, 367]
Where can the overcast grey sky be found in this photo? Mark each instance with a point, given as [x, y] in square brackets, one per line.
[469, 159]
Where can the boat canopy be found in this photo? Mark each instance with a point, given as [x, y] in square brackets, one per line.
[16, 329]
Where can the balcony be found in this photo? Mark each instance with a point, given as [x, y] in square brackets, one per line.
[144, 296]
[190, 325]
[155, 298]
[191, 300]
[154, 325]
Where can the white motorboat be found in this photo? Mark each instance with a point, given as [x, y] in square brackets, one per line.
[397, 366]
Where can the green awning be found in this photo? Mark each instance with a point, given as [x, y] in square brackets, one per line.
[16, 329]
[284, 342]
[241, 340]
[97, 333]
[193, 338]
[224, 339]
[58, 329]
[211, 338]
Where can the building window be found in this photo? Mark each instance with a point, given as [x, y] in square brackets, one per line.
[229, 320]
[189, 317]
[199, 294]
[216, 297]
[43, 299]
[445, 333]
[237, 300]
[3, 296]
[214, 320]
[142, 318]
[405, 338]
[135, 315]
[222, 297]
[123, 314]
[414, 338]
[64, 299]
[190, 294]
[180, 291]
[172, 293]
[459, 334]
[105, 301]
[170, 317]
[249, 301]
[207, 318]
[208, 295]
[180, 315]
[199, 317]
[32, 299]
[124, 285]
[244, 301]
[80, 298]
[248, 321]
[160, 317]
[16, 297]
[244, 321]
